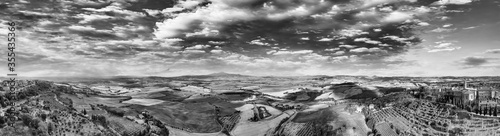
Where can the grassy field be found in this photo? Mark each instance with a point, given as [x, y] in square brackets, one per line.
[178, 132]
[335, 117]
[245, 127]
[144, 102]
[197, 117]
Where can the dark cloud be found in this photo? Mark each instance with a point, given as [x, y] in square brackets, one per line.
[140, 5]
[92, 33]
[237, 38]
[317, 28]
[475, 61]
[3, 6]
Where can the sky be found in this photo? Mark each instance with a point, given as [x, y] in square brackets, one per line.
[96, 38]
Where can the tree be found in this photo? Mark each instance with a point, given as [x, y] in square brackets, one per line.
[485, 110]
[495, 111]
[490, 112]
[2, 121]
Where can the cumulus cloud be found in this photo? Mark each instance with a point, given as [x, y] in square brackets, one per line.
[195, 35]
[319, 26]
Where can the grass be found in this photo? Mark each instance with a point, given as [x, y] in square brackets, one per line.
[326, 114]
[124, 126]
[330, 119]
[178, 132]
[198, 117]
[245, 127]
[144, 102]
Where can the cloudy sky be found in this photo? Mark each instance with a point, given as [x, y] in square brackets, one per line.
[254, 37]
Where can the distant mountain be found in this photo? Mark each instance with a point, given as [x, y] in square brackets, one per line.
[224, 74]
[214, 75]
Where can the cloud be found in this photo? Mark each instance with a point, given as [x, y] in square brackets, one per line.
[91, 32]
[292, 52]
[444, 49]
[348, 46]
[257, 28]
[443, 46]
[262, 36]
[88, 18]
[367, 40]
[397, 17]
[447, 25]
[198, 47]
[446, 2]
[443, 30]
[471, 27]
[363, 49]
[475, 61]
[333, 49]
[493, 51]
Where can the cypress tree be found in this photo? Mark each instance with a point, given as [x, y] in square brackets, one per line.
[491, 111]
[495, 111]
[484, 110]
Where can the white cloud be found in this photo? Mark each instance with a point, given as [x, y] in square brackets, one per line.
[339, 53]
[87, 28]
[364, 49]
[367, 40]
[471, 27]
[443, 45]
[333, 49]
[386, 9]
[396, 38]
[445, 2]
[444, 49]
[423, 24]
[198, 47]
[259, 42]
[116, 8]
[193, 52]
[293, 52]
[443, 30]
[351, 32]
[348, 46]
[86, 18]
[397, 16]
[325, 39]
